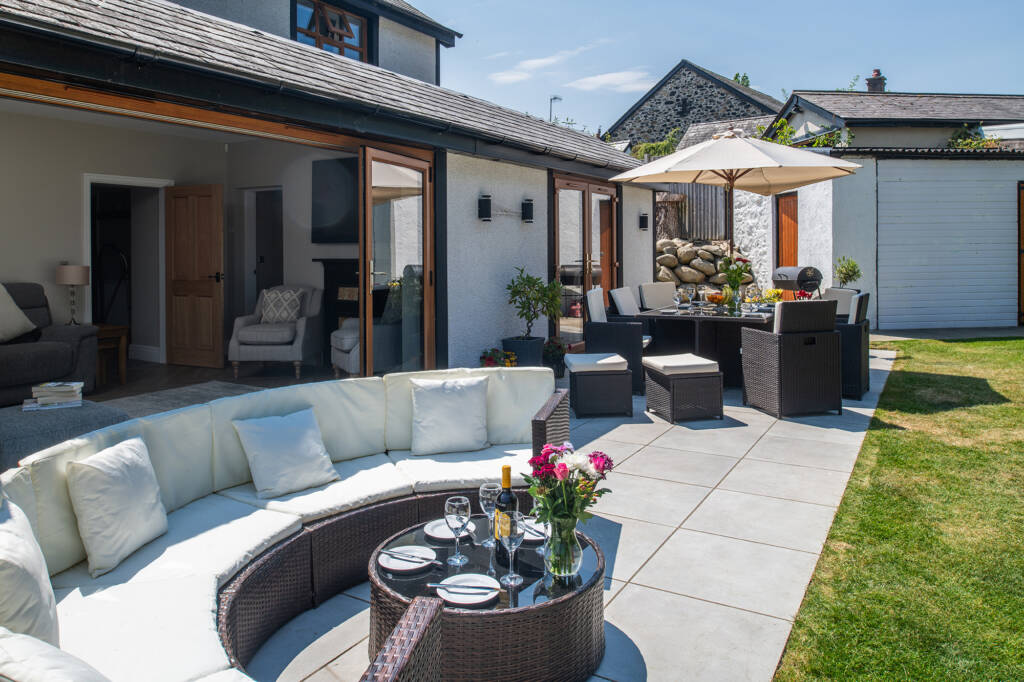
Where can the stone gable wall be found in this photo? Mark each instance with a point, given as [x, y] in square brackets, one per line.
[686, 98]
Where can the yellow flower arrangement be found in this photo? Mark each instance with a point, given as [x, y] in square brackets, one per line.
[772, 295]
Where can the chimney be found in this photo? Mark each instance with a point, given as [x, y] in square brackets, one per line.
[877, 81]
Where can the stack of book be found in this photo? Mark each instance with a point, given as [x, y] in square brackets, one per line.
[54, 395]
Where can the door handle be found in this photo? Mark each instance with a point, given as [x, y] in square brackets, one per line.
[217, 276]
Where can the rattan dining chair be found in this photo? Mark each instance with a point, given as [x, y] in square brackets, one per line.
[854, 341]
[620, 335]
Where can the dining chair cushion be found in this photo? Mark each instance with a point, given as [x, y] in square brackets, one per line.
[595, 305]
[843, 297]
[117, 501]
[654, 295]
[27, 604]
[624, 301]
[449, 415]
[27, 659]
[595, 362]
[859, 308]
[285, 453]
[682, 363]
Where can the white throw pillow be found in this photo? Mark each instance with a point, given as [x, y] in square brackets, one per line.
[27, 659]
[13, 322]
[26, 597]
[117, 502]
[449, 415]
[285, 454]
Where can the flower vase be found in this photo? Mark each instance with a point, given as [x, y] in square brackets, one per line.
[564, 555]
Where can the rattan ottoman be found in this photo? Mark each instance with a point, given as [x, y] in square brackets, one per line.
[599, 384]
[683, 386]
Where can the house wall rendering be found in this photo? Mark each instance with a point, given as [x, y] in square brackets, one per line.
[407, 51]
[637, 257]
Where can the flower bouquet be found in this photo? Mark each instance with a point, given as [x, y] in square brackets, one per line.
[772, 295]
[802, 295]
[496, 357]
[564, 484]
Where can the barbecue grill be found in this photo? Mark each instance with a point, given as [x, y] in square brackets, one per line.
[795, 278]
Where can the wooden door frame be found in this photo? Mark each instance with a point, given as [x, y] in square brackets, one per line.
[589, 187]
[776, 242]
[367, 155]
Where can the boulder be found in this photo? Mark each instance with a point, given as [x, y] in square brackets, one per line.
[667, 259]
[666, 275]
[689, 275]
[716, 250]
[678, 242]
[705, 254]
[747, 278]
[705, 266]
[718, 278]
[670, 250]
[686, 254]
[662, 243]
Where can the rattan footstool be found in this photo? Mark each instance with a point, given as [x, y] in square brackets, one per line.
[599, 384]
[684, 386]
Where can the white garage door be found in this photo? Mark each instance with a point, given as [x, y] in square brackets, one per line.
[947, 243]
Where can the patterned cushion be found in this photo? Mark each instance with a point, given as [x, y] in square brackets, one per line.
[281, 305]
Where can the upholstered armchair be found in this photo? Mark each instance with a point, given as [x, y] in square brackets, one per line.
[260, 338]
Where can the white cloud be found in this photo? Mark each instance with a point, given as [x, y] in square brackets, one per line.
[498, 55]
[512, 76]
[525, 69]
[616, 81]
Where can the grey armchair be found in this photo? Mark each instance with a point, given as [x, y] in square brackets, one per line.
[54, 352]
[297, 342]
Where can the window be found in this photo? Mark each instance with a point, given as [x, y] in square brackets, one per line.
[332, 29]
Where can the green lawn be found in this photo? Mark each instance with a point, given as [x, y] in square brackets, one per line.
[922, 577]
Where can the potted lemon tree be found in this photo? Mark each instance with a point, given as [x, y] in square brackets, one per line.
[532, 298]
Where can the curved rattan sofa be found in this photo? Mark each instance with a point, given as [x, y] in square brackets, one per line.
[233, 568]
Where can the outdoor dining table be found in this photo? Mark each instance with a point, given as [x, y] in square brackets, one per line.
[714, 334]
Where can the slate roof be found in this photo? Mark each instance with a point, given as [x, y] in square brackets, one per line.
[908, 107]
[211, 44]
[930, 153]
[702, 132]
[621, 145]
[402, 7]
[766, 102]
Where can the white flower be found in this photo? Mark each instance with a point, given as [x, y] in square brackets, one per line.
[581, 463]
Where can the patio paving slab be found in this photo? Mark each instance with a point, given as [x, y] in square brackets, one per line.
[845, 429]
[746, 575]
[646, 499]
[655, 635]
[805, 452]
[351, 665]
[799, 483]
[731, 436]
[626, 543]
[640, 433]
[783, 523]
[618, 451]
[682, 466]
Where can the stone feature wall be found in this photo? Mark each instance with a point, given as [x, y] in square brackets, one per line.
[694, 265]
[752, 233]
[686, 98]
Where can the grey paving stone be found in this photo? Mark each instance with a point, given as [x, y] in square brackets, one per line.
[682, 466]
[803, 484]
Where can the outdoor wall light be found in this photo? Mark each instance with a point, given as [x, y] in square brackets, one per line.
[527, 210]
[483, 208]
[644, 221]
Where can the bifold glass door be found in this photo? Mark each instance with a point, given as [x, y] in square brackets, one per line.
[398, 288]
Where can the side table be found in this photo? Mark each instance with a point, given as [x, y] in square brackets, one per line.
[113, 337]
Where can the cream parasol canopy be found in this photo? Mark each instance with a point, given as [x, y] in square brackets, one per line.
[733, 161]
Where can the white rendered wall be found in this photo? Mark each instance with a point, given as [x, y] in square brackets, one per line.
[901, 136]
[271, 16]
[406, 51]
[752, 233]
[814, 229]
[482, 257]
[853, 226]
[637, 255]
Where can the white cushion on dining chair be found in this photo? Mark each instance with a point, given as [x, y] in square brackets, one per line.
[595, 305]
[624, 300]
[654, 295]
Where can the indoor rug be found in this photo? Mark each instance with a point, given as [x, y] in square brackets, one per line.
[174, 398]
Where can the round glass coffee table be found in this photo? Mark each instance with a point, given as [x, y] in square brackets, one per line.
[545, 629]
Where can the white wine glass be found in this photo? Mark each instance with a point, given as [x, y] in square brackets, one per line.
[456, 515]
[677, 298]
[488, 494]
[512, 527]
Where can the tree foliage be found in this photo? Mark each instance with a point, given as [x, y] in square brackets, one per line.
[972, 138]
[742, 79]
[655, 149]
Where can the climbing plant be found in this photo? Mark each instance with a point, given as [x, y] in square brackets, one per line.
[655, 149]
[783, 133]
[972, 138]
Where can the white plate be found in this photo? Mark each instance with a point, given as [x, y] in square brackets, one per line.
[534, 524]
[419, 558]
[438, 529]
[458, 597]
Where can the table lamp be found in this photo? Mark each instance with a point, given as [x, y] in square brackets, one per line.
[73, 276]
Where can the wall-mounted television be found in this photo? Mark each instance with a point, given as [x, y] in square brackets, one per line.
[335, 216]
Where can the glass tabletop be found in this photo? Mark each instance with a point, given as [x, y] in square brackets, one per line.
[710, 312]
[538, 586]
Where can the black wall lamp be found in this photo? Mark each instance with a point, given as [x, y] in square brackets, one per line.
[644, 221]
[483, 208]
[527, 210]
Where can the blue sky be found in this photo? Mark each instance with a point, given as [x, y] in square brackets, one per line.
[601, 56]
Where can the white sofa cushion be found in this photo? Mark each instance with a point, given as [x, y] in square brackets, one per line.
[460, 470]
[350, 414]
[117, 501]
[681, 363]
[26, 598]
[213, 536]
[514, 396]
[181, 449]
[398, 391]
[449, 415]
[362, 481]
[285, 453]
[158, 631]
[229, 675]
[27, 659]
[16, 484]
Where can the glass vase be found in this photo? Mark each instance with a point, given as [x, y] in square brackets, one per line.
[737, 299]
[564, 555]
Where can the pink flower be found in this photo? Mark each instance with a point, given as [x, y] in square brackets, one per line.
[601, 462]
[561, 471]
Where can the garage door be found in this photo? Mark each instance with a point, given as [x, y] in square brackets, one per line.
[947, 243]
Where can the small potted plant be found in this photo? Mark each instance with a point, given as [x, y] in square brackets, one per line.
[496, 357]
[554, 355]
[531, 298]
[846, 271]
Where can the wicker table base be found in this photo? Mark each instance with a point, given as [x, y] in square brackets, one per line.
[684, 396]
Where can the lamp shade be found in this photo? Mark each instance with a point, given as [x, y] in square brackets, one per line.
[74, 275]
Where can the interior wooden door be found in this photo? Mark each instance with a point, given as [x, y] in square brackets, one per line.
[787, 252]
[194, 252]
[397, 247]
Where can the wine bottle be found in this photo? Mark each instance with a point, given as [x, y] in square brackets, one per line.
[506, 503]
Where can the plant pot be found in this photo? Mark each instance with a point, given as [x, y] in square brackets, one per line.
[564, 554]
[558, 366]
[528, 350]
